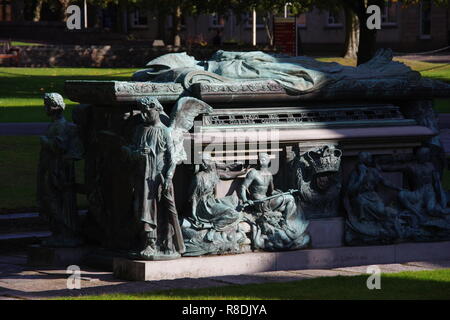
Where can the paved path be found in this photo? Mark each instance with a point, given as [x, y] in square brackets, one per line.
[17, 281]
[23, 128]
[435, 58]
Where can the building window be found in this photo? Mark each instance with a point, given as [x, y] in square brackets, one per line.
[5, 10]
[425, 19]
[301, 20]
[333, 19]
[138, 19]
[216, 21]
[259, 20]
[389, 14]
[170, 21]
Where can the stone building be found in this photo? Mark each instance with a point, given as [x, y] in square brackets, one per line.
[411, 28]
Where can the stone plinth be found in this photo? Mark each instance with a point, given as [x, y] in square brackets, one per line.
[209, 266]
[326, 232]
[56, 257]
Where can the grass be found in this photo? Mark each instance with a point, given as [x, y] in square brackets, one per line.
[24, 44]
[21, 89]
[434, 284]
[18, 162]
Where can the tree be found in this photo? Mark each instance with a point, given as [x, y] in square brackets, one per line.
[351, 34]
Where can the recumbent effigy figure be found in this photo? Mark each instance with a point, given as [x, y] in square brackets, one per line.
[56, 188]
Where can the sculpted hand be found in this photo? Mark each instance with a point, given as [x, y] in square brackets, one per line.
[249, 202]
[166, 184]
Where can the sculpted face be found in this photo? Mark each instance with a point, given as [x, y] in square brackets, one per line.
[150, 115]
[53, 104]
[150, 110]
[365, 158]
[325, 181]
[264, 160]
[206, 161]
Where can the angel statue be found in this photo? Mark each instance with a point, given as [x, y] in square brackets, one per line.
[154, 152]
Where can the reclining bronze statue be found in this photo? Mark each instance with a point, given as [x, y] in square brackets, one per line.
[178, 161]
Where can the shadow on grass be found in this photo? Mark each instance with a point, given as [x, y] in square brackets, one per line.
[17, 88]
[421, 285]
[19, 156]
[393, 286]
[29, 114]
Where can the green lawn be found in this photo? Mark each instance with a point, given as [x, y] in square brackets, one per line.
[21, 89]
[404, 285]
[24, 44]
[18, 162]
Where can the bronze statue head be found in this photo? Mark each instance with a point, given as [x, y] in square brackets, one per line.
[263, 160]
[207, 161]
[54, 104]
[150, 109]
[366, 158]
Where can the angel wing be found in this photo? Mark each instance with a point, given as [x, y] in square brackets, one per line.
[182, 120]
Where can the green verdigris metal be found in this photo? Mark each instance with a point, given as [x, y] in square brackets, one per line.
[56, 194]
[277, 223]
[420, 213]
[318, 176]
[154, 154]
[215, 225]
[325, 112]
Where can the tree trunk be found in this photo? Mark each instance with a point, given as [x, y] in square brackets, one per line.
[269, 32]
[367, 37]
[176, 27]
[98, 18]
[122, 21]
[37, 10]
[162, 26]
[64, 5]
[367, 41]
[18, 7]
[351, 34]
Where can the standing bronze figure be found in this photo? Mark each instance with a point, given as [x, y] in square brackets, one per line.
[278, 224]
[154, 153]
[56, 194]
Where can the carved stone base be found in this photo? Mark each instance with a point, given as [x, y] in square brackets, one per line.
[326, 233]
[156, 257]
[56, 257]
[210, 266]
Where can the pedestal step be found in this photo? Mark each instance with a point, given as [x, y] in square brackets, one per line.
[210, 266]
